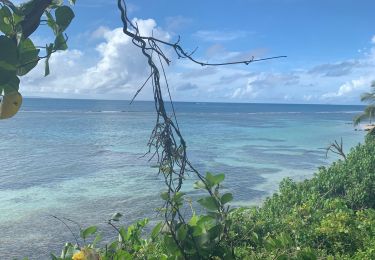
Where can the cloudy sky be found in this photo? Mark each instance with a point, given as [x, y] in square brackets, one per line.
[330, 46]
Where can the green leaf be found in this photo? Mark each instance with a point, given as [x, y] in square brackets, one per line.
[49, 49]
[193, 221]
[17, 18]
[171, 245]
[178, 197]
[199, 185]
[5, 25]
[215, 179]
[164, 195]
[97, 239]
[60, 43]
[208, 203]
[156, 230]
[46, 68]
[227, 197]
[88, 231]
[8, 59]
[215, 231]
[122, 255]
[182, 232]
[116, 216]
[12, 85]
[123, 235]
[8, 53]
[64, 16]
[27, 57]
[52, 23]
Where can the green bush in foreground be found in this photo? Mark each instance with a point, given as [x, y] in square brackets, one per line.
[331, 216]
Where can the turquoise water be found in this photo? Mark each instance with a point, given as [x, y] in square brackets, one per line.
[80, 159]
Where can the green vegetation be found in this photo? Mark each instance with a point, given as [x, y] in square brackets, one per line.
[18, 54]
[330, 216]
[369, 112]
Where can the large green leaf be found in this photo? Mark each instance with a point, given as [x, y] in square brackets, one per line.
[8, 59]
[8, 53]
[11, 86]
[5, 16]
[60, 43]
[88, 231]
[182, 232]
[209, 203]
[215, 179]
[156, 230]
[27, 57]
[227, 197]
[64, 16]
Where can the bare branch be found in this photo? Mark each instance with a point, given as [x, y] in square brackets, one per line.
[336, 148]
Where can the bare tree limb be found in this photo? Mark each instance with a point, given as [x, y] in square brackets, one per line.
[336, 148]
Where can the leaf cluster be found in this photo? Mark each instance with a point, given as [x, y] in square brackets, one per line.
[18, 53]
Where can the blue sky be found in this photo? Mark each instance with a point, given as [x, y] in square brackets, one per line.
[330, 46]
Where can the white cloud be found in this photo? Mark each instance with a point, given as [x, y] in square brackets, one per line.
[120, 69]
[216, 35]
[348, 87]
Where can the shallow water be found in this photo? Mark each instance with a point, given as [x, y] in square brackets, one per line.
[80, 159]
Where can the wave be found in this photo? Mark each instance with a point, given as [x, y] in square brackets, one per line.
[75, 111]
[191, 112]
[48, 111]
[339, 112]
[273, 113]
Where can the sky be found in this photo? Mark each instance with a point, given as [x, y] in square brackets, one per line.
[329, 44]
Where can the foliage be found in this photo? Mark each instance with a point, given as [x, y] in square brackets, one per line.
[369, 112]
[330, 216]
[18, 53]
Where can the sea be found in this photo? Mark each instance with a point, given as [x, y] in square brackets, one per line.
[82, 160]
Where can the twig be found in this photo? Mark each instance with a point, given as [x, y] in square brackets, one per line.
[68, 227]
[336, 148]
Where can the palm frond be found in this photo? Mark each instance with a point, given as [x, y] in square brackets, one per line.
[368, 97]
[370, 110]
[358, 119]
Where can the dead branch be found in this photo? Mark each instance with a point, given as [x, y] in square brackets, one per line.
[336, 148]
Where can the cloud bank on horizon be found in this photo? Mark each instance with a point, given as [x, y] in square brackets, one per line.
[114, 69]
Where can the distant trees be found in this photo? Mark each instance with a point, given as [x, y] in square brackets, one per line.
[369, 112]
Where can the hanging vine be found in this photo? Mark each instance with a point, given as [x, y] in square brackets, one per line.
[168, 146]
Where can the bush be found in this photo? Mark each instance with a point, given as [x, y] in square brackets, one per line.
[330, 215]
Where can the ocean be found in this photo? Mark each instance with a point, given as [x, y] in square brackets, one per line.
[82, 160]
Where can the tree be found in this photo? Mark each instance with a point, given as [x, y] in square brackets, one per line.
[369, 112]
